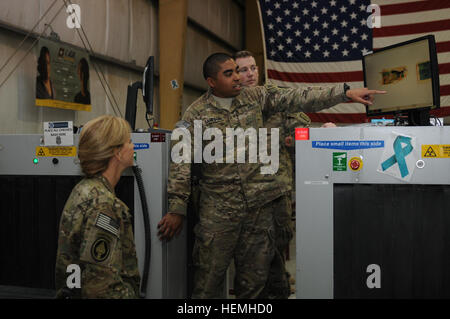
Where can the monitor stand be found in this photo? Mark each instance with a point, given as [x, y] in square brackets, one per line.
[419, 117]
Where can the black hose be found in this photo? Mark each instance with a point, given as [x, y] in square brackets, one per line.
[140, 184]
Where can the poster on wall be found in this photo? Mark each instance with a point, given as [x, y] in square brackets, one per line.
[62, 79]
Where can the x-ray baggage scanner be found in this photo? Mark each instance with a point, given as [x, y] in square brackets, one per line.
[35, 184]
[373, 212]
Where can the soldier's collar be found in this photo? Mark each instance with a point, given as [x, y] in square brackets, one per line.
[238, 99]
[105, 182]
[210, 99]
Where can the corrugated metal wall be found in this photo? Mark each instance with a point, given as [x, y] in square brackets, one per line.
[123, 34]
[223, 24]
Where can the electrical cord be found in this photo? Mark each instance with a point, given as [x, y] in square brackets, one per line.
[149, 118]
[137, 173]
[436, 120]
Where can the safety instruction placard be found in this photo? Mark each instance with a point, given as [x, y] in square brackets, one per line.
[69, 151]
[339, 161]
[436, 151]
[347, 145]
[58, 133]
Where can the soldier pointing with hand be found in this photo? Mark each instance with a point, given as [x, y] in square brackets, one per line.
[236, 201]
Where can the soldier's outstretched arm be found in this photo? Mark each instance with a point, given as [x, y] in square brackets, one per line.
[313, 99]
[363, 95]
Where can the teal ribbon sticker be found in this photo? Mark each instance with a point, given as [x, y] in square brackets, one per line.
[399, 155]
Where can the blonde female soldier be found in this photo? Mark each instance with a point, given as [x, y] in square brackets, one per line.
[95, 231]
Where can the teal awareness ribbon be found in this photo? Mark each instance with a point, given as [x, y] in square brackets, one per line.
[399, 155]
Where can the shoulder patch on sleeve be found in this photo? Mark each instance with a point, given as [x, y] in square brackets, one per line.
[182, 124]
[100, 249]
[107, 223]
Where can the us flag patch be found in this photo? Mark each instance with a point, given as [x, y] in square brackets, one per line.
[107, 223]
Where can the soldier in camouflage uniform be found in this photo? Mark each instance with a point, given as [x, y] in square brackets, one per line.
[277, 285]
[236, 200]
[95, 230]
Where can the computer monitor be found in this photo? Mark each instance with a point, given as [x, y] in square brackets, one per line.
[147, 84]
[408, 71]
[147, 93]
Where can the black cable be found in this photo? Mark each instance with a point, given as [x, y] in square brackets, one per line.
[436, 120]
[140, 184]
[147, 118]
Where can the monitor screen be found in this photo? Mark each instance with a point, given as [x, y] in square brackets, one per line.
[408, 71]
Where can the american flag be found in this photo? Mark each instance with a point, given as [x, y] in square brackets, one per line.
[107, 223]
[321, 43]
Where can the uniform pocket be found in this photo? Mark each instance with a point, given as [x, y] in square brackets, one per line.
[202, 235]
[201, 254]
[282, 212]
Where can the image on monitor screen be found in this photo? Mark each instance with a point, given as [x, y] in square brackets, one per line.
[408, 71]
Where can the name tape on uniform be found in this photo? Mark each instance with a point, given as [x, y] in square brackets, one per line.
[69, 151]
[436, 151]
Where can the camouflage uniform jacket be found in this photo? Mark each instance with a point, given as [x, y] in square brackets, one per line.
[222, 181]
[293, 121]
[96, 234]
[283, 120]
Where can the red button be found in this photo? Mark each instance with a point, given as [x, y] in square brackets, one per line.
[354, 165]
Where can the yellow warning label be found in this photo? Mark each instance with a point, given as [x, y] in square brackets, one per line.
[69, 151]
[430, 152]
[436, 151]
[64, 105]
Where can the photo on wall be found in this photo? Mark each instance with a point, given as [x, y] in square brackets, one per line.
[62, 79]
